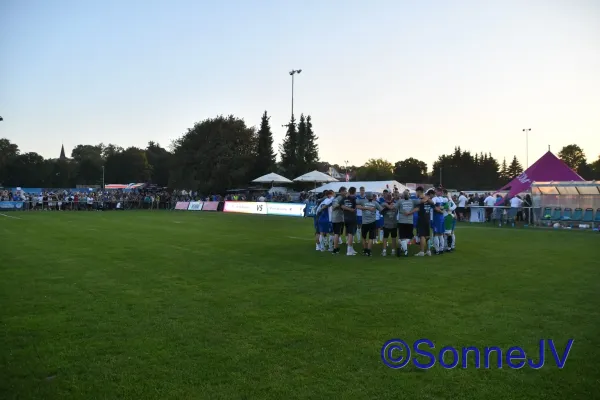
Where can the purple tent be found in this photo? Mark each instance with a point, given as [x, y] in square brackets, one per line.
[548, 168]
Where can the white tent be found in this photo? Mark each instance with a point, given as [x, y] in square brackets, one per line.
[315, 176]
[370, 186]
[272, 178]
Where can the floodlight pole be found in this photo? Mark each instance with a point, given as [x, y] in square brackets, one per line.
[292, 73]
[103, 177]
[527, 146]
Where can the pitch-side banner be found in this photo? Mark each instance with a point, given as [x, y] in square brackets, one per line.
[195, 206]
[288, 209]
[246, 207]
[210, 206]
[182, 205]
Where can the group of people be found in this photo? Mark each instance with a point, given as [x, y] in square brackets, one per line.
[394, 219]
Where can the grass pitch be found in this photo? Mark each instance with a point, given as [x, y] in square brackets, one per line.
[182, 305]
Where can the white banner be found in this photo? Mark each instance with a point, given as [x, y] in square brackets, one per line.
[288, 209]
[195, 206]
[246, 207]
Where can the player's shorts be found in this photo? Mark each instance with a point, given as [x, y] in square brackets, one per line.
[453, 224]
[415, 220]
[438, 226]
[405, 231]
[387, 232]
[461, 210]
[350, 227]
[379, 223]
[423, 229]
[359, 220]
[337, 227]
[325, 227]
[368, 230]
[448, 221]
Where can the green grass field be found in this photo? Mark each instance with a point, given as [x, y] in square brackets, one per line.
[182, 305]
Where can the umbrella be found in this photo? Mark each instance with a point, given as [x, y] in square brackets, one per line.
[272, 178]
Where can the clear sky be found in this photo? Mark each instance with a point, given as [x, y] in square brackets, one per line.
[391, 79]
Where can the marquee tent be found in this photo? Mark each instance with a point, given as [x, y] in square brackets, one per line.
[370, 186]
[315, 176]
[547, 168]
[272, 178]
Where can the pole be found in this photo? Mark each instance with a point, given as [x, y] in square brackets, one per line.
[103, 177]
[292, 96]
[527, 146]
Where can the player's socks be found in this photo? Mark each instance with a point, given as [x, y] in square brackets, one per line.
[449, 238]
[436, 244]
[453, 241]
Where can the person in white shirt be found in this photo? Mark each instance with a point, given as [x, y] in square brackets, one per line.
[462, 203]
[515, 206]
[489, 202]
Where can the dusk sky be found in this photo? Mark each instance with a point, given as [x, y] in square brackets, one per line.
[381, 79]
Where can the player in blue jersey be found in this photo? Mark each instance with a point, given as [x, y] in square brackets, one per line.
[324, 212]
[437, 221]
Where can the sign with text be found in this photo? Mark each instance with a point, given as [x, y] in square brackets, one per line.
[246, 207]
[288, 209]
[182, 205]
[311, 209]
[210, 206]
[11, 205]
[195, 206]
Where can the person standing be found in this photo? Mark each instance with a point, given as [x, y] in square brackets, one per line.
[360, 196]
[369, 207]
[337, 219]
[405, 222]
[462, 204]
[389, 216]
[423, 208]
[349, 207]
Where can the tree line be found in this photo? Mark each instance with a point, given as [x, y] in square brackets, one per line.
[224, 153]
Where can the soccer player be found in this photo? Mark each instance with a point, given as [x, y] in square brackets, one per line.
[369, 207]
[324, 212]
[349, 207]
[337, 218]
[389, 215]
[437, 220]
[316, 220]
[423, 208]
[406, 223]
[359, 196]
[379, 217]
[449, 220]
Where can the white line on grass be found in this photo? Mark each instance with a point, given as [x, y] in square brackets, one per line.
[9, 216]
[299, 238]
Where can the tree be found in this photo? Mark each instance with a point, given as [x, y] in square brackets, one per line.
[159, 160]
[215, 155]
[265, 156]
[8, 152]
[573, 156]
[311, 153]
[288, 150]
[504, 176]
[127, 166]
[88, 160]
[375, 170]
[515, 168]
[27, 170]
[595, 167]
[410, 170]
[301, 146]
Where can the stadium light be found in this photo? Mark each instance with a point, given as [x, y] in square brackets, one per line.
[292, 73]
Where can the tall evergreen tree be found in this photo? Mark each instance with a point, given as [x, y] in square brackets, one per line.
[504, 172]
[288, 150]
[311, 154]
[265, 156]
[515, 168]
[301, 146]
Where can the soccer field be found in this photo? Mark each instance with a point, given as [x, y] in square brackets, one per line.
[183, 305]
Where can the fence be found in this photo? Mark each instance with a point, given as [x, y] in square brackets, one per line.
[83, 205]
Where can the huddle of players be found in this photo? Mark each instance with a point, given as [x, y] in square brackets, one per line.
[357, 215]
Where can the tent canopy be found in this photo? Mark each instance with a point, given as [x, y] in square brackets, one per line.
[315, 176]
[547, 168]
[272, 178]
[370, 186]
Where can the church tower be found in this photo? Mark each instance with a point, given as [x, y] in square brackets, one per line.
[62, 153]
